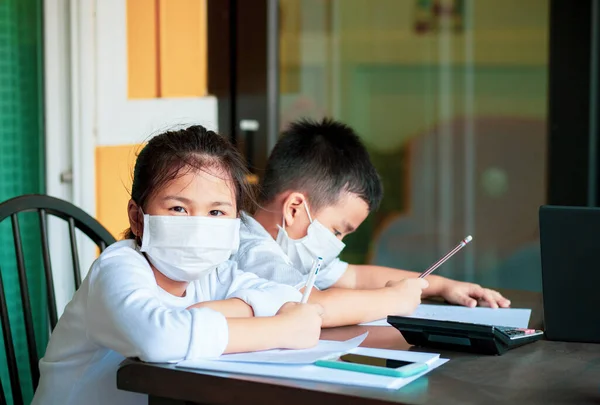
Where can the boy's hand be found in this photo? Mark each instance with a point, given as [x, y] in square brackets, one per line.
[301, 324]
[469, 295]
[406, 294]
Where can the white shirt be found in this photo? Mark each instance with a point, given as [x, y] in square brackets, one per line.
[119, 311]
[259, 253]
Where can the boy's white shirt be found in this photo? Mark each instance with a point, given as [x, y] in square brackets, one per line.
[119, 311]
[260, 254]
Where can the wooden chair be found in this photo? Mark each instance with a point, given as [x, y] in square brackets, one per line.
[76, 219]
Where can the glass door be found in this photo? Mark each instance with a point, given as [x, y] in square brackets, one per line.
[450, 98]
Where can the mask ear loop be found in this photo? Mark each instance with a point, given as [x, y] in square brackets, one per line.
[219, 275]
[138, 238]
[307, 211]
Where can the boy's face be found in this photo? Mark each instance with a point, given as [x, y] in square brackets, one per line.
[343, 217]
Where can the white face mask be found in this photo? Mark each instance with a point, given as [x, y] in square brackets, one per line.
[319, 241]
[185, 248]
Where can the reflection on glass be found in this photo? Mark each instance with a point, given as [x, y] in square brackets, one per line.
[450, 99]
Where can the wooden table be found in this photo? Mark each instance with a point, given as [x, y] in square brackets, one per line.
[539, 373]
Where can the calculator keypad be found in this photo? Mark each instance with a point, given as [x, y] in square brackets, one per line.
[516, 333]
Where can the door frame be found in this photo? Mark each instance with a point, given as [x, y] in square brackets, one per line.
[70, 88]
[244, 75]
[69, 93]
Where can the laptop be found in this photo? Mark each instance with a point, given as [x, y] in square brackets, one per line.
[570, 250]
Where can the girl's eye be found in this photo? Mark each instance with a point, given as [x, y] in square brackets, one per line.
[337, 233]
[216, 213]
[180, 210]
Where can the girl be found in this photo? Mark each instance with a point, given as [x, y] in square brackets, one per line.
[151, 296]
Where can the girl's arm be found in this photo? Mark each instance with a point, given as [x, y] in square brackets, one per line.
[230, 308]
[263, 296]
[246, 294]
[296, 326]
[124, 314]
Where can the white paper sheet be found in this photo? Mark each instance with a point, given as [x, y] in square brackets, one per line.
[325, 348]
[322, 374]
[513, 317]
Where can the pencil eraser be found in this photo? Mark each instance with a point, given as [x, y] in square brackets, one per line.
[468, 239]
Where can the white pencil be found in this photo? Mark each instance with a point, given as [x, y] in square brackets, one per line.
[310, 282]
[447, 256]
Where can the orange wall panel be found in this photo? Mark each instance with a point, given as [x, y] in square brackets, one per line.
[114, 170]
[183, 43]
[142, 49]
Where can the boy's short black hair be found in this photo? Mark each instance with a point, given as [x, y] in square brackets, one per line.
[321, 159]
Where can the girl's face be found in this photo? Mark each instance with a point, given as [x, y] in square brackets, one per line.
[208, 193]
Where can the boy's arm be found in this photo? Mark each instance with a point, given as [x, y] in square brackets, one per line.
[365, 277]
[350, 307]
[455, 292]
[344, 306]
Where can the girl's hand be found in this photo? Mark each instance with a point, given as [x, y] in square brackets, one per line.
[300, 325]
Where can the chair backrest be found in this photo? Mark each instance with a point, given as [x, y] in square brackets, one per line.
[76, 218]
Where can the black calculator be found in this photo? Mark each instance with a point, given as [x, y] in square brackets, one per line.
[460, 336]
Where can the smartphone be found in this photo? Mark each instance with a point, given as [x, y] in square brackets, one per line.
[374, 361]
[374, 365]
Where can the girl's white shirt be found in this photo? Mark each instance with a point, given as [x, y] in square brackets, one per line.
[119, 311]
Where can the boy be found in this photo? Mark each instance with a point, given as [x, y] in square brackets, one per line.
[319, 186]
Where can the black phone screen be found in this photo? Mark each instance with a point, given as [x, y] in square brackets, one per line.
[373, 361]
